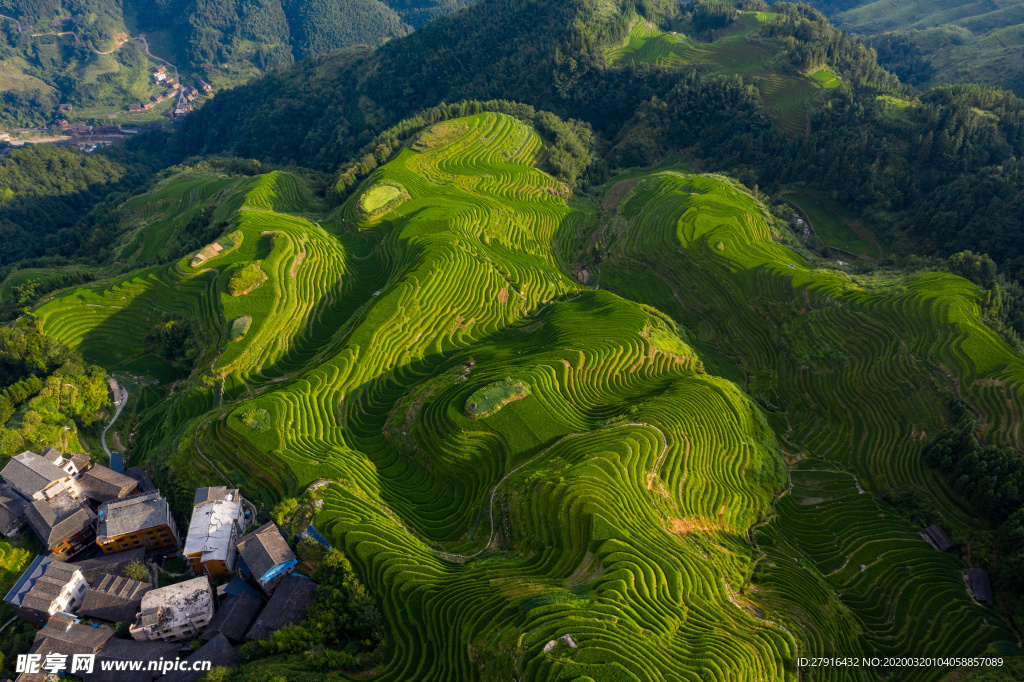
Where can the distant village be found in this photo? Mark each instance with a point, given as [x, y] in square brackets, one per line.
[106, 532]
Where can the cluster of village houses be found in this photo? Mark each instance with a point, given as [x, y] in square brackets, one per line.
[80, 510]
[188, 94]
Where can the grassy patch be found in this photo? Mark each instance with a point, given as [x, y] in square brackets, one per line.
[382, 197]
[440, 134]
[246, 278]
[825, 78]
[491, 398]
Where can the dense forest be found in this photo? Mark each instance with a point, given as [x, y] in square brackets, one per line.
[47, 390]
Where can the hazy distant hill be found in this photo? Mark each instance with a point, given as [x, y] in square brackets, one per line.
[928, 42]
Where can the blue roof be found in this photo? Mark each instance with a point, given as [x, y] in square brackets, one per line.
[117, 462]
[312, 532]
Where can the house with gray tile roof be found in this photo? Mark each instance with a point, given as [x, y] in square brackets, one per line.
[266, 556]
[293, 596]
[235, 615]
[63, 634]
[109, 564]
[139, 521]
[117, 649]
[37, 478]
[101, 484]
[45, 588]
[63, 524]
[114, 598]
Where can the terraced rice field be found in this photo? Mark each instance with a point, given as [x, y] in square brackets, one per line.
[825, 78]
[785, 95]
[630, 497]
[831, 228]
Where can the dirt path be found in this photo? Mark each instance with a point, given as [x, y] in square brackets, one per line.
[16, 22]
[121, 401]
[118, 42]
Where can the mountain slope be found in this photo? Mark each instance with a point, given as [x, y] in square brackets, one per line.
[74, 43]
[930, 43]
[617, 497]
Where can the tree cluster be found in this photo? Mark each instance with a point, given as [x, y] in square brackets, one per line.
[343, 629]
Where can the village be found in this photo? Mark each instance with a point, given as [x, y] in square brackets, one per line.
[112, 540]
[89, 137]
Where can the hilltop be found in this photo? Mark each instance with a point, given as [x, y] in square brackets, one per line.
[673, 352]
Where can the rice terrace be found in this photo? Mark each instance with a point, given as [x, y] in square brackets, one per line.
[695, 467]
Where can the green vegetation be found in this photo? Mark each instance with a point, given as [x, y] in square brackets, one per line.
[246, 278]
[15, 555]
[257, 420]
[343, 627]
[830, 227]
[49, 391]
[825, 78]
[634, 494]
[137, 570]
[786, 95]
[730, 447]
[239, 327]
[491, 398]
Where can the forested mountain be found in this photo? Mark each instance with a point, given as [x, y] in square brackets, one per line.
[75, 50]
[934, 42]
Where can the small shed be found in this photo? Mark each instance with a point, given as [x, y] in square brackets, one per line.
[938, 538]
[980, 588]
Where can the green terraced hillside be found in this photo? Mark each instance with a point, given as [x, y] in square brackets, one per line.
[737, 50]
[675, 469]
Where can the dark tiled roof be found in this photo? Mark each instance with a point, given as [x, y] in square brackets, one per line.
[131, 650]
[979, 584]
[52, 455]
[288, 606]
[58, 519]
[144, 481]
[114, 599]
[263, 549]
[12, 509]
[214, 494]
[112, 564]
[136, 513]
[47, 587]
[218, 651]
[80, 460]
[30, 473]
[62, 637]
[235, 615]
[103, 485]
[938, 537]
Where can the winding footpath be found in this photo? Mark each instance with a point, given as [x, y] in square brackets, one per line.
[117, 43]
[121, 402]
